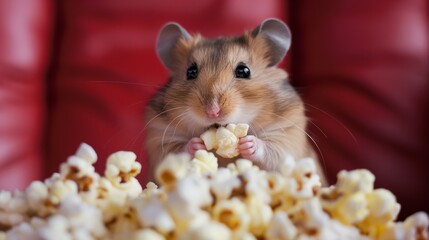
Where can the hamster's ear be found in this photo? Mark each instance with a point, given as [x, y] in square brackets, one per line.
[167, 40]
[277, 36]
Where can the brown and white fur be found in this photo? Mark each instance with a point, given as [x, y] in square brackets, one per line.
[183, 109]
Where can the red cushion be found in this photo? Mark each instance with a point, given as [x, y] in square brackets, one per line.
[25, 31]
[362, 67]
[107, 67]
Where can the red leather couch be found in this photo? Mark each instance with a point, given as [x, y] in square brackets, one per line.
[82, 71]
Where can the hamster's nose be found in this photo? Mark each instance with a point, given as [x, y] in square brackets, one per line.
[213, 111]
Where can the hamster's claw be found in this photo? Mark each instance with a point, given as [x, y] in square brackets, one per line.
[194, 145]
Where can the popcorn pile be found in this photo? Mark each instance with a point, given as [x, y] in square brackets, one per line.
[198, 200]
[225, 139]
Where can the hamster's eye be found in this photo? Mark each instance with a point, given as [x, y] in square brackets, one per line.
[242, 71]
[192, 72]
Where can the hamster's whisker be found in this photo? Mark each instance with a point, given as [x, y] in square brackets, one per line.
[177, 124]
[318, 128]
[124, 82]
[159, 114]
[305, 132]
[336, 120]
[166, 129]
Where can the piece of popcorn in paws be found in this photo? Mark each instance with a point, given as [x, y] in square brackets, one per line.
[223, 183]
[260, 215]
[22, 231]
[360, 180]
[209, 139]
[280, 227]
[209, 231]
[228, 152]
[241, 130]
[153, 214]
[204, 162]
[227, 143]
[351, 209]
[225, 138]
[87, 153]
[147, 234]
[233, 214]
[173, 167]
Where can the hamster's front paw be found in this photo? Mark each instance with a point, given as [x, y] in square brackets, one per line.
[194, 145]
[252, 148]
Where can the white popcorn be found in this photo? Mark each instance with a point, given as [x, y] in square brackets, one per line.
[147, 234]
[204, 162]
[353, 181]
[287, 166]
[13, 208]
[59, 189]
[225, 139]
[153, 214]
[382, 206]
[172, 168]
[189, 196]
[122, 167]
[124, 224]
[151, 190]
[209, 139]
[223, 183]
[37, 194]
[233, 214]
[209, 231]
[260, 215]
[22, 231]
[241, 130]
[199, 201]
[82, 216]
[280, 227]
[87, 153]
[351, 209]
[81, 172]
[56, 229]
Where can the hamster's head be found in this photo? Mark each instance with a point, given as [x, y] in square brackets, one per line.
[222, 80]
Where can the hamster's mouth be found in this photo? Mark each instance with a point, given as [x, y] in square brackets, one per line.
[215, 125]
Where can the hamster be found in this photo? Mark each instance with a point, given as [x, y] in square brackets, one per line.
[224, 80]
